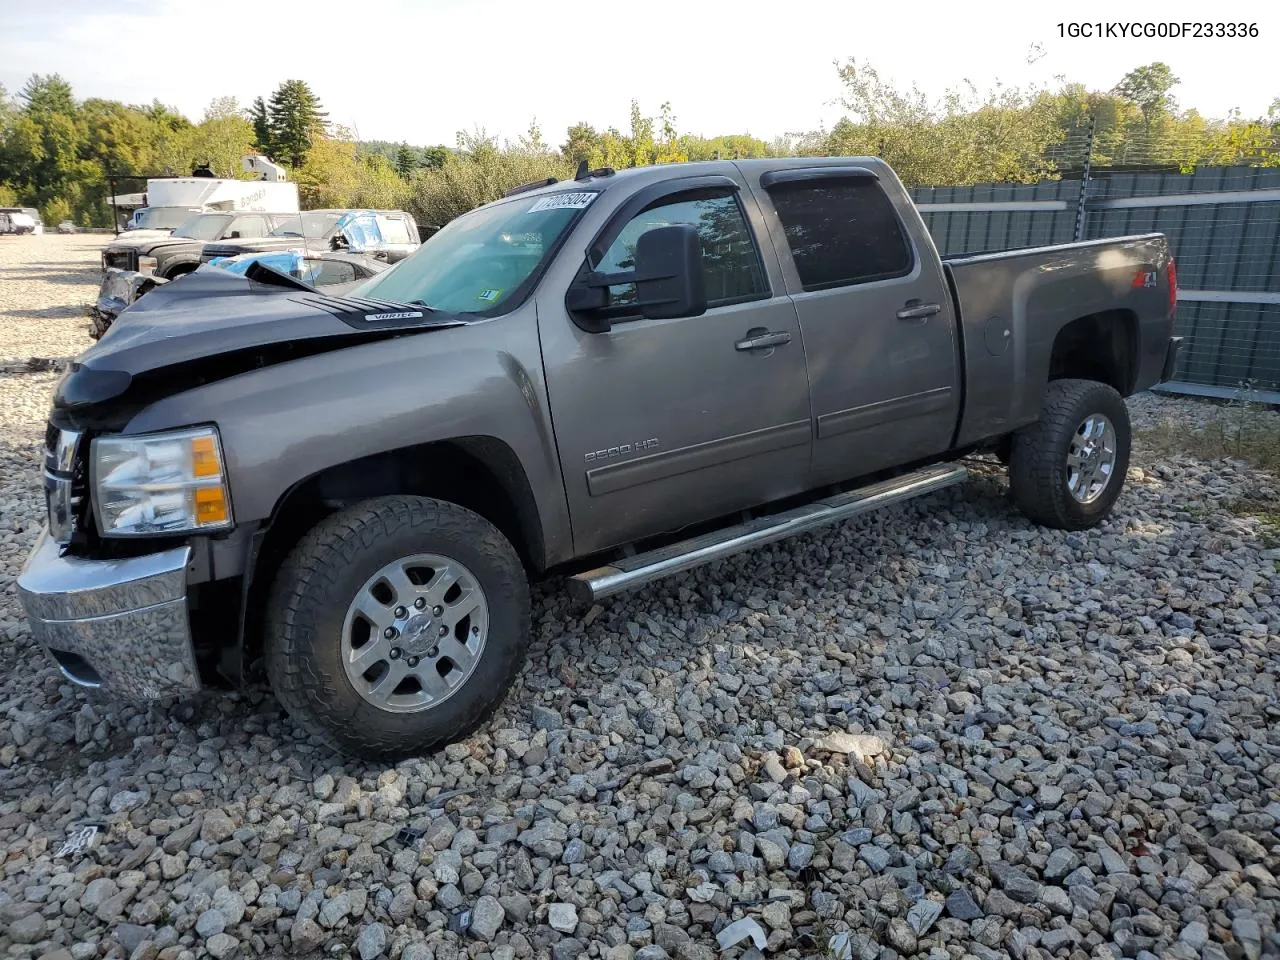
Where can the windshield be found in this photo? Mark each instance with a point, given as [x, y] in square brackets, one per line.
[207, 226]
[162, 218]
[315, 225]
[480, 260]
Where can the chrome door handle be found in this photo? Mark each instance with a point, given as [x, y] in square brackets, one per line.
[915, 310]
[762, 340]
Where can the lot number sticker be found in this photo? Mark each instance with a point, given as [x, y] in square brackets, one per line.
[562, 201]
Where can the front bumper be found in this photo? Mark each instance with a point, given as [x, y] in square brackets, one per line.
[121, 625]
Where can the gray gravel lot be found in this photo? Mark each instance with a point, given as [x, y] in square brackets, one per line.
[938, 730]
[45, 283]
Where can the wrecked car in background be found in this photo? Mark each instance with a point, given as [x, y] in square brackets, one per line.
[334, 272]
[393, 234]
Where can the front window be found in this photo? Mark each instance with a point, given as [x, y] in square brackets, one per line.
[483, 259]
[205, 227]
[315, 225]
[162, 218]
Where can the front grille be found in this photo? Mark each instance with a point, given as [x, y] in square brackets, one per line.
[64, 482]
[121, 258]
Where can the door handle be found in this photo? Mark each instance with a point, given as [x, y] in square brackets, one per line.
[762, 339]
[915, 310]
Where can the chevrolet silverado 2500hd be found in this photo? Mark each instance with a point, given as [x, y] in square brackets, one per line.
[615, 379]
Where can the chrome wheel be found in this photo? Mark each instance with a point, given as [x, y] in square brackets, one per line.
[1091, 458]
[414, 633]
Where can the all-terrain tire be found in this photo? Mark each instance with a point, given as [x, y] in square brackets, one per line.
[1038, 477]
[321, 577]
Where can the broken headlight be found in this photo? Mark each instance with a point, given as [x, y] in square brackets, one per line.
[160, 483]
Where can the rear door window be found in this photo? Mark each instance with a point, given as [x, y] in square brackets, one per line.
[841, 232]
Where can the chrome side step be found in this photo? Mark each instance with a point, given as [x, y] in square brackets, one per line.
[642, 568]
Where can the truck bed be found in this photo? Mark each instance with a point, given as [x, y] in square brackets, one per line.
[1013, 306]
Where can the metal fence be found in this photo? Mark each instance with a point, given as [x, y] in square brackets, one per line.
[1223, 224]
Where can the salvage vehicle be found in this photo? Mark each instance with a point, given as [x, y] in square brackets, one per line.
[613, 379]
[20, 220]
[170, 255]
[336, 272]
[393, 234]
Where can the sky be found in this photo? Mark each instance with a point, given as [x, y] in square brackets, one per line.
[421, 71]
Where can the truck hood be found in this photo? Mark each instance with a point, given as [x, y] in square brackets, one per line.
[147, 240]
[213, 324]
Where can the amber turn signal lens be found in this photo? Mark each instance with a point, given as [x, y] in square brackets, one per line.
[204, 457]
[211, 505]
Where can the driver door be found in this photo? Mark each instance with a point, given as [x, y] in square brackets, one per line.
[661, 423]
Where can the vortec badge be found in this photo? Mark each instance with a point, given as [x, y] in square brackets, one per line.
[407, 315]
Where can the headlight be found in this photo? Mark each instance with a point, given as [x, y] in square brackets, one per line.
[147, 265]
[160, 483]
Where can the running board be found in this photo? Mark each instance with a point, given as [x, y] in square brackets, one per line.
[642, 568]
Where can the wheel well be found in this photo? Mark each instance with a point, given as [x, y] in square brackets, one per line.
[480, 473]
[1100, 346]
[180, 270]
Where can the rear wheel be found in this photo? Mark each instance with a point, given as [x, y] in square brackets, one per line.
[1067, 469]
[397, 626]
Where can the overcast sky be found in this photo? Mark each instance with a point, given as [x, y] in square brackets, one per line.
[420, 71]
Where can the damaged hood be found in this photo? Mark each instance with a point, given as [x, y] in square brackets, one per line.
[213, 324]
[144, 238]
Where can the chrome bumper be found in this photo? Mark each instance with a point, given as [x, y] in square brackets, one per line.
[117, 624]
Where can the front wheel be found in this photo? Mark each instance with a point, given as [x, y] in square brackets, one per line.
[1067, 469]
[397, 626]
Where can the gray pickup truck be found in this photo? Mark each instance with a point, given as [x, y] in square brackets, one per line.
[612, 379]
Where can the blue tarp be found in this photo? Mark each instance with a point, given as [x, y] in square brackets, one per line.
[286, 261]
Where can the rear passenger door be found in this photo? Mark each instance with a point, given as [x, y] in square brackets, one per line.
[876, 318]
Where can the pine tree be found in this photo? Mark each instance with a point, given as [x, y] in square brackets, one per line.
[261, 121]
[406, 160]
[296, 119]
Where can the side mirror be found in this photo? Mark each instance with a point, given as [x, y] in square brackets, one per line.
[669, 279]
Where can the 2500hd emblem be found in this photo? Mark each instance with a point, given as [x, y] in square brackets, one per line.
[622, 450]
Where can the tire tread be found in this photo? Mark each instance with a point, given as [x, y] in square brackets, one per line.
[310, 694]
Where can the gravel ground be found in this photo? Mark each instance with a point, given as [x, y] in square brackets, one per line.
[45, 284]
[938, 731]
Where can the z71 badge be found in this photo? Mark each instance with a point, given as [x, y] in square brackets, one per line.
[622, 450]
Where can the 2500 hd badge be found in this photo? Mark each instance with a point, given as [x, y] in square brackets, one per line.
[595, 456]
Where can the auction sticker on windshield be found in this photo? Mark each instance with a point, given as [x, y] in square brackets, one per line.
[562, 201]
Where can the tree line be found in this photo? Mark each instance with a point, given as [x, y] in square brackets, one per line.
[56, 151]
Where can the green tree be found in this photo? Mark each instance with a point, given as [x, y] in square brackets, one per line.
[261, 121]
[582, 144]
[48, 94]
[433, 158]
[406, 161]
[165, 116]
[297, 120]
[1148, 87]
[222, 138]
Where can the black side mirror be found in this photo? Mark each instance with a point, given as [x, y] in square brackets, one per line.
[669, 279]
